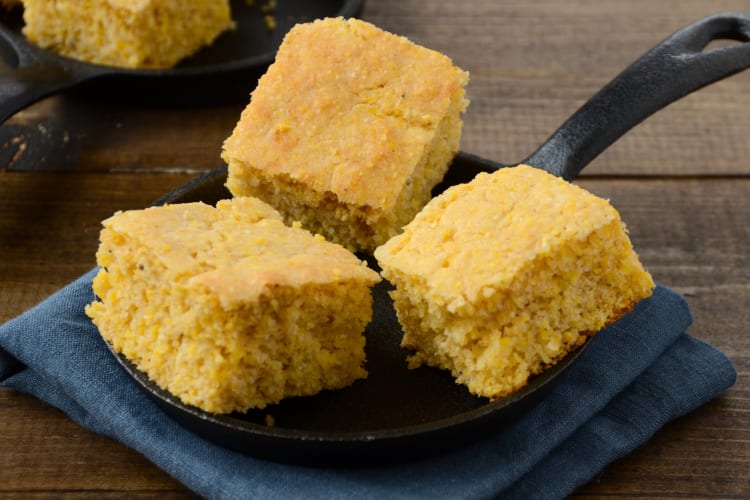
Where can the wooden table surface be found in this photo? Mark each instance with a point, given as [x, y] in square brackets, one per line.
[681, 181]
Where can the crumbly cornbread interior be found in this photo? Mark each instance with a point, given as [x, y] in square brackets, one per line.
[126, 33]
[348, 131]
[501, 277]
[228, 308]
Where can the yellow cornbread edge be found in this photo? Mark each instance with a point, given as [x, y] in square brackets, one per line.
[495, 338]
[369, 199]
[224, 356]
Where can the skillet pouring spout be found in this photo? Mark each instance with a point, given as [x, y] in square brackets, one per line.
[679, 65]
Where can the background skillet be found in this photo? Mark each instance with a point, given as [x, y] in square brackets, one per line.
[411, 413]
[226, 70]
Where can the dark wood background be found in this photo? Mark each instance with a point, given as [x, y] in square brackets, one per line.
[680, 180]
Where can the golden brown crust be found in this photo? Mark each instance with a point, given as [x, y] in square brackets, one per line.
[502, 277]
[346, 108]
[228, 308]
[238, 250]
[348, 131]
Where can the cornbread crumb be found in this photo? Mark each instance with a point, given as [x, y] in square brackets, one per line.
[229, 309]
[270, 22]
[348, 131]
[500, 278]
[126, 33]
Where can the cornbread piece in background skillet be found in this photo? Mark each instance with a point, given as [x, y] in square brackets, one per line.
[228, 308]
[348, 131]
[126, 33]
[498, 279]
[225, 71]
[398, 414]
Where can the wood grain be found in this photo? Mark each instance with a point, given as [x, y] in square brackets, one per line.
[681, 181]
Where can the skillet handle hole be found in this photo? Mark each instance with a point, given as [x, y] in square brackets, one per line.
[728, 40]
[737, 33]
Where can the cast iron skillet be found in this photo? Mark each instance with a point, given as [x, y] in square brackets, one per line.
[226, 70]
[397, 414]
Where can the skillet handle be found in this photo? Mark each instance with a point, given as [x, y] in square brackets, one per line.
[31, 74]
[669, 71]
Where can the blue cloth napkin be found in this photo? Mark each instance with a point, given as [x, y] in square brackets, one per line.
[634, 377]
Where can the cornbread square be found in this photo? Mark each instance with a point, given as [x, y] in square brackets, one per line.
[126, 33]
[348, 131]
[499, 278]
[227, 308]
